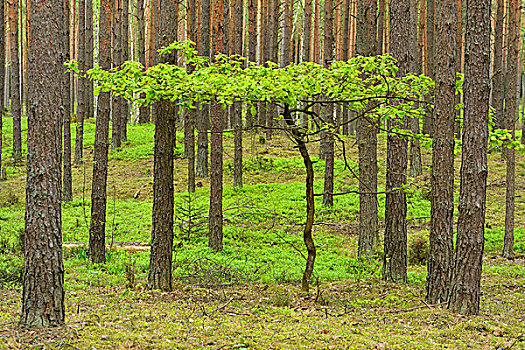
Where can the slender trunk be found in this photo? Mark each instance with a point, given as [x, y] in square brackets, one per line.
[16, 111]
[203, 118]
[395, 258]
[2, 82]
[466, 277]
[442, 202]
[498, 74]
[237, 110]
[116, 53]
[90, 52]
[83, 85]
[97, 230]
[427, 123]
[416, 168]
[511, 105]
[43, 286]
[346, 37]
[67, 181]
[220, 25]
[141, 38]
[124, 107]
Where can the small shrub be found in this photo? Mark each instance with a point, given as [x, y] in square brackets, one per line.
[418, 249]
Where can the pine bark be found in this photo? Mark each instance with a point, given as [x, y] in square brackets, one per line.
[116, 59]
[395, 258]
[90, 107]
[498, 73]
[203, 117]
[67, 181]
[237, 107]
[511, 106]
[83, 95]
[427, 122]
[216, 147]
[43, 286]
[381, 26]
[441, 248]
[366, 45]
[2, 82]
[160, 266]
[16, 109]
[328, 109]
[416, 168]
[141, 38]
[124, 107]
[465, 288]
[97, 230]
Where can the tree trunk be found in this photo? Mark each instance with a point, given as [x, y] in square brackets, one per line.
[116, 58]
[141, 29]
[203, 118]
[346, 37]
[427, 123]
[190, 115]
[441, 246]
[237, 107]
[395, 258]
[220, 25]
[124, 105]
[328, 110]
[90, 109]
[67, 181]
[252, 47]
[43, 286]
[97, 230]
[465, 288]
[511, 105]
[2, 82]
[416, 168]
[367, 138]
[83, 94]
[498, 74]
[16, 110]
[381, 26]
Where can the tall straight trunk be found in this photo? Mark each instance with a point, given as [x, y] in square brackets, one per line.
[511, 105]
[498, 73]
[317, 36]
[141, 38]
[203, 117]
[307, 39]
[395, 258]
[328, 110]
[43, 286]
[466, 277]
[124, 107]
[366, 45]
[345, 56]
[152, 26]
[116, 59]
[459, 60]
[160, 264]
[220, 25]
[67, 181]
[286, 35]
[427, 123]
[252, 47]
[237, 111]
[16, 110]
[97, 230]
[273, 18]
[83, 94]
[442, 202]
[90, 52]
[416, 168]
[190, 115]
[381, 26]
[2, 82]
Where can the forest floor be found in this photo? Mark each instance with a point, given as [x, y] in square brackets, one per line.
[248, 296]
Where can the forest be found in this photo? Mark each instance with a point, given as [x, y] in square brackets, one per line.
[284, 174]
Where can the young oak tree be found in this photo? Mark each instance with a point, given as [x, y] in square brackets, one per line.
[295, 89]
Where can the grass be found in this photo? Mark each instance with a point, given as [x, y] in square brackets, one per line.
[248, 296]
